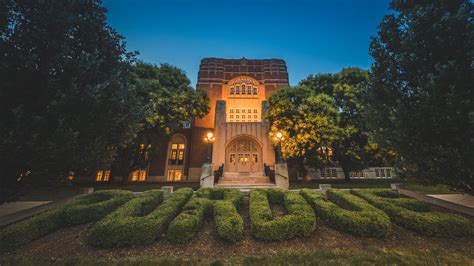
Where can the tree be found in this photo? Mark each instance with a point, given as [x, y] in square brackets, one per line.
[307, 120]
[68, 100]
[420, 101]
[169, 101]
[345, 88]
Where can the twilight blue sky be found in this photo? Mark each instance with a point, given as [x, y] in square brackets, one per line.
[311, 36]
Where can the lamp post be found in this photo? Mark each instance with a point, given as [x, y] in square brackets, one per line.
[279, 138]
[209, 139]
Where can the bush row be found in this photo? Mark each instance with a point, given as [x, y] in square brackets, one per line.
[348, 213]
[413, 215]
[222, 203]
[83, 209]
[139, 221]
[300, 220]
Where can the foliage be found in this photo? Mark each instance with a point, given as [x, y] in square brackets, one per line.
[222, 203]
[139, 221]
[169, 101]
[420, 101]
[416, 215]
[307, 121]
[300, 220]
[345, 88]
[84, 209]
[348, 213]
[67, 97]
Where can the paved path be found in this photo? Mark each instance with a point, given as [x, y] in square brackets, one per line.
[460, 199]
[12, 207]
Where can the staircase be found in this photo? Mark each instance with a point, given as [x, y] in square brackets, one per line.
[244, 181]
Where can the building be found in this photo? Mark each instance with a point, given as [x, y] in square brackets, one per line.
[238, 90]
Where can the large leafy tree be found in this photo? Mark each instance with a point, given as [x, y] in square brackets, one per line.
[169, 101]
[345, 88]
[67, 96]
[420, 100]
[308, 122]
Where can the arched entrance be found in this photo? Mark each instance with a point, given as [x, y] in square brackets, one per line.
[243, 155]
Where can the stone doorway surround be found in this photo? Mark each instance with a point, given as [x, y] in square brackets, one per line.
[243, 155]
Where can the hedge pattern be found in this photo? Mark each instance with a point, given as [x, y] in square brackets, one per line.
[416, 215]
[139, 221]
[346, 212]
[222, 203]
[83, 209]
[300, 220]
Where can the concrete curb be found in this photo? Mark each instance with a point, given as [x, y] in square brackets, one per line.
[438, 202]
[23, 214]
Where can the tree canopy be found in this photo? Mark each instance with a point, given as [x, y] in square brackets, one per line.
[420, 100]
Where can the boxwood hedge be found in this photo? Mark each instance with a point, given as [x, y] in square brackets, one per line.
[83, 209]
[348, 213]
[222, 203]
[300, 220]
[139, 221]
[415, 215]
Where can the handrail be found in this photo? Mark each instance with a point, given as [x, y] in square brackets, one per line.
[202, 179]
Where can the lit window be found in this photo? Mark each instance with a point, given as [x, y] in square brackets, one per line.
[177, 154]
[142, 175]
[170, 176]
[178, 175]
[99, 175]
[135, 175]
[107, 175]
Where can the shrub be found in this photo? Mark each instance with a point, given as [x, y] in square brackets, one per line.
[222, 203]
[300, 220]
[139, 221]
[83, 209]
[348, 213]
[416, 216]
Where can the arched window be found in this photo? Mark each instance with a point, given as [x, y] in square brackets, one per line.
[176, 158]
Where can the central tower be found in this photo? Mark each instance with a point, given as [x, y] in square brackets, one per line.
[238, 90]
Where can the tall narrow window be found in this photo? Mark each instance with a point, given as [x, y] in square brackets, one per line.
[254, 91]
[98, 177]
[237, 90]
[232, 91]
[107, 175]
[249, 90]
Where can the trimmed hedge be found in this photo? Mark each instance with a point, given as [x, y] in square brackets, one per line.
[300, 220]
[83, 209]
[139, 221]
[222, 203]
[414, 215]
[348, 213]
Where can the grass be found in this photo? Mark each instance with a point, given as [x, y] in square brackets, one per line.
[371, 256]
[430, 189]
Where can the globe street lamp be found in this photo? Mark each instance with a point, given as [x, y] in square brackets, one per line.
[279, 138]
[209, 139]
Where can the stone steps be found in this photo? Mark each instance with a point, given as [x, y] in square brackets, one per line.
[245, 182]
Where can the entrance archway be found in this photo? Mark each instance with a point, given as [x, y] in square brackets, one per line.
[243, 155]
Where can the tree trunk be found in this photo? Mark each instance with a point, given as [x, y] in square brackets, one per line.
[346, 175]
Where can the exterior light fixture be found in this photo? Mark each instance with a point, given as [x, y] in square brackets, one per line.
[279, 138]
[209, 139]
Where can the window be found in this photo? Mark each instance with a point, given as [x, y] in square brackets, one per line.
[237, 110]
[139, 175]
[231, 111]
[231, 116]
[98, 177]
[255, 116]
[249, 90]
[389, 174]
[237, 116]
[107, 175]
[249, 116]
[177, 154]
[243, 89]
[232, 91]
[255, 111]
[249, 111]
[243, 111]
[237, 90]
[254, 91]
[174, 175]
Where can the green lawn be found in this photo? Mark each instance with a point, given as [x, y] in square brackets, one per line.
[49, 193]
[371, 256]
